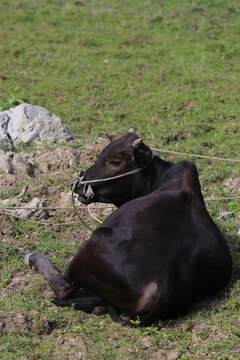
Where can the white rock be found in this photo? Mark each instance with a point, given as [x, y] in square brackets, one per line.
[28, 123]
[4, 118]
[53, 130]
[5, 142]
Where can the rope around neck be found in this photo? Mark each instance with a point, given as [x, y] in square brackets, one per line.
[85, 182]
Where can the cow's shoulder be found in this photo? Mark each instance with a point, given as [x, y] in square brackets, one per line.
[185, 174]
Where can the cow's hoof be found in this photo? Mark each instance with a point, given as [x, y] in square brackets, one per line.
[27, 259]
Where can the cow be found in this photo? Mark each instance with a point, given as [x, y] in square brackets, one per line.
[156, 254]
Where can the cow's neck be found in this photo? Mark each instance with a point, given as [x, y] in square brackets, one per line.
[153, 177]
[148, 180]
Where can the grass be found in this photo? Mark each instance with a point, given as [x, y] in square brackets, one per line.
[170, 69]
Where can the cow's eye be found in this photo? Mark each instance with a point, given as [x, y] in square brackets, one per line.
[115, 162]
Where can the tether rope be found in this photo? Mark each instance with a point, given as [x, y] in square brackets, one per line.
[8, 210]
[194, 155]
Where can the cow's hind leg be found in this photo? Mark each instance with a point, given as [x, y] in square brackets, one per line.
[63, 290]
[90, 303]
[58, 283]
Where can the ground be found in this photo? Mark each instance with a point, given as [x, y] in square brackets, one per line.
[33, 328]
[171, 70]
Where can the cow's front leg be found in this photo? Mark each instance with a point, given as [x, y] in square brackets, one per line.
[58, 283]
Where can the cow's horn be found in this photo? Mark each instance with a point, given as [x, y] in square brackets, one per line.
[137, 143]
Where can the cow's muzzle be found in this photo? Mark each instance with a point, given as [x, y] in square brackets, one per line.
[80, 177]
[84, 191]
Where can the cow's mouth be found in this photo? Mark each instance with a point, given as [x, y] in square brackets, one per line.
[84, 192]
[84, 200]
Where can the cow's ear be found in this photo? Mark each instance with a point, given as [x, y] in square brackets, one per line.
[113, 137]
[141, 152]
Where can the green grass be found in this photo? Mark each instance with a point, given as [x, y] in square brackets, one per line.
[169, 68]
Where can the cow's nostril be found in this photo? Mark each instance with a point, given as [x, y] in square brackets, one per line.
[80, 176]
[82, 173]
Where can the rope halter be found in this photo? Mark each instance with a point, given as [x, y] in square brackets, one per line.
[89, 193]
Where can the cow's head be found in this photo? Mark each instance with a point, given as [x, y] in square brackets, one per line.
[120, 156]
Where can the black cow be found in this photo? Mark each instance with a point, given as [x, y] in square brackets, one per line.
[156, 253]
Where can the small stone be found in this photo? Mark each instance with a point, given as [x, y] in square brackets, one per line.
[10, 202]
[100, 140]
[35, 210]
[146, 343]
[225, 215]
[66, 199]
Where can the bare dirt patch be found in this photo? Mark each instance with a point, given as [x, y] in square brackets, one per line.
[13, 322]
[45, 173]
